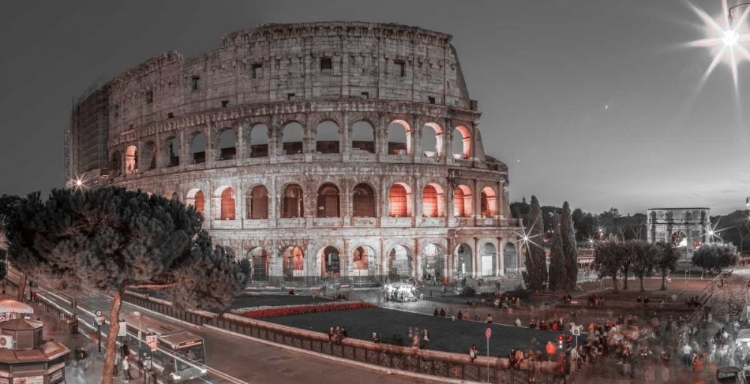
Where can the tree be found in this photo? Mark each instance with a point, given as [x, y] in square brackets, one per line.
[608, 256]
[626, 259]
[644, 258]
[715, 256]
[570, 248]
[536, 263]
[557, 272]
[112, 240]
[666, 261]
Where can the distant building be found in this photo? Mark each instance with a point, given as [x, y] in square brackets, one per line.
[684, 228]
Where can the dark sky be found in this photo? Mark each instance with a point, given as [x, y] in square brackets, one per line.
[587, 101]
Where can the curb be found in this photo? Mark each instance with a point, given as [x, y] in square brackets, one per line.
[342, 360]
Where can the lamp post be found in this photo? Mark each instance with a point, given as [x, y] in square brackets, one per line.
[140, 327]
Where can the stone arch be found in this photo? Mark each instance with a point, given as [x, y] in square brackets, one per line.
[461, 142]
[432, 262]
[115, 164]
[679, 239]
[172, 151]
[462, 201]
[328, 201]
[400, 263]
[149, 155]
[292, 202]
[224, 203]
[174, 197]
[131, 160]
[259, 261]
[327, 137]
[292, 138]
[226, 144]
[364, 262]
[399, 138]
[432, 201]
[487, 259]
[399, 200]
[363, 136]
[257, 203]
[464, 261]
[197, 147]
[431, 140]
[197, 199]
[330, 262]
[258, 142]
[488, 203]
[293, 261]
[510, 257]
[363, 201]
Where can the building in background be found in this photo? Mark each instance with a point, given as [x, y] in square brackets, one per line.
[685, 228]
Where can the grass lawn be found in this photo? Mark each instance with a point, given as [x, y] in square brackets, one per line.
[445, 335]
[275, 301]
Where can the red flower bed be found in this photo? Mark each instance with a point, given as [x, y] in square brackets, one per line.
[304, 309]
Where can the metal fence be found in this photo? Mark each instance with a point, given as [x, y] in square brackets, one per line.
[385, 355]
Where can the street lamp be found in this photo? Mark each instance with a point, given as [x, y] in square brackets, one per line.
[140, 327]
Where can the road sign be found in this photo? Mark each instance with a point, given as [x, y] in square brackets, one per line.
[123, 331]
[576, 331]
[151, 341]
[98, 313]
[488, 333]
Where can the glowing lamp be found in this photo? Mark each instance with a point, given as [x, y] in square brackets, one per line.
[730, 38]
[79, 183]
[710, 233]
[525, 238]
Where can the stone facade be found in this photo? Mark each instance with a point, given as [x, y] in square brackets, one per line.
[685, 228]
[320, 150]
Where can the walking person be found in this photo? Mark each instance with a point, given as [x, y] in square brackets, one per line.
[126, 368]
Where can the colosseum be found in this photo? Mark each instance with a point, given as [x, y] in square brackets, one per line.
[344, 151]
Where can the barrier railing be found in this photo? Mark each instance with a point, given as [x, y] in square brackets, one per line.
[435, 363]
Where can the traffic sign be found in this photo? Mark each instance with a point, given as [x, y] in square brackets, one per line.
[98, 313]
[488, 333]
[123, 330]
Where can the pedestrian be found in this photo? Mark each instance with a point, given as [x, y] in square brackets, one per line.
[330, 334]
[473, 352]
[686, 352]
[460, 316]
[518, 322]
[442, 312]
[118, 361]
[126, 368]
[489, 319]
[436, 314]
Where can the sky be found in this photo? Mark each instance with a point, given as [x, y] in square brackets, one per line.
[593, 102]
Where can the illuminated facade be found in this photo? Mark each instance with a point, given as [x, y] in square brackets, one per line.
[320, 150]
[684, 228]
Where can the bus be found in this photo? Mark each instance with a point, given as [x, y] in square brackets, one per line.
[180, 355]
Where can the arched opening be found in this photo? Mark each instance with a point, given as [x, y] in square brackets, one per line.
[364, 262]
[195, 198]
[292, 202]
[399, 263]
[433, 266]
[175, 196]
[258, 258]
[363, 201]
[399, 198]
[291, 139]
[257, 203]
[363, 137]
[464, 261]
[489, 202]
[461, 143]
[327, 137]
[227, 144]
[224, 203]
[679, 239]
[198, 148]
[432, 196]
[509, 258]
[462, 201]
[172, 153]
[431, 141]
[488, 259]
[259, 141]
[149, 160]
[294, 264]
[331, 262]
[131, 160]
[115, 164]
[328, 201]
[399, 138]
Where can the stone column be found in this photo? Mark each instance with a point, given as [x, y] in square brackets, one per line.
[240, 142]
[210, 145]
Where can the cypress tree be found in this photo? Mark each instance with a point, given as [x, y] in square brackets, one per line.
[557, 273]
[570, 248]
[536, 263]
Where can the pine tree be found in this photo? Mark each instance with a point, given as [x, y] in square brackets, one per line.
[111, 240]
[570, 248]
[536, 263]
[557, 271]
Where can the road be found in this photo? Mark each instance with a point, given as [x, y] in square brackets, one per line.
[244, 360]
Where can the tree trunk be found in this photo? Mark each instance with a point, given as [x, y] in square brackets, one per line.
[663, 280]
[614, 282]
[111, 347]
[625, 284]
[642, 290]
[21, 287]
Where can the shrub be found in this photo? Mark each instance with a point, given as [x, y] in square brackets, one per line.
[468, 292]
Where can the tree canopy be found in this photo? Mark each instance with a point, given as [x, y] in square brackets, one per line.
[715, 256]
[570, 248]
[644, 257]
[536, 260]
[667, 261]
[609, 257]
[557, 272]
